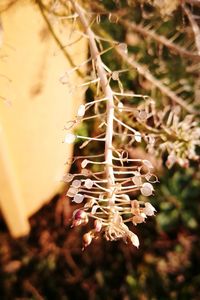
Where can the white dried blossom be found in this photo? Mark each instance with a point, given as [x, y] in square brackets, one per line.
[70, 138]
[78, 198]
[146, 189]
[81, 110]
[107, 186]
[149, 210]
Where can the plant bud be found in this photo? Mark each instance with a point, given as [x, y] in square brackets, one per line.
[134, 240]
[88, 183]
[87, 239]
[146, 189]
[97, 225]
[78, 198]
[138, 219]
[149, 210]
[76, 223]
[84, 163]
[80, 214]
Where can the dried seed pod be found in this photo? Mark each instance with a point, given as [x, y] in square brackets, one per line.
[149, 210]
[86, 172]
[81, 111]
[78, 198]
[138, 136]
[68, 177]
[76, 183]
[79, 214]
[72, 192]
[88, 183]
[134, 239]
[147, 163]
[123, 47]
[147, 189]
[97, 225]
[115, 75]
[137, 180]
[84, 163]
[87, 239]
[142, 115]
[138, 219]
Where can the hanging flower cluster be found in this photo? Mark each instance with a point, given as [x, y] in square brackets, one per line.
[110, 205]
[110, 180]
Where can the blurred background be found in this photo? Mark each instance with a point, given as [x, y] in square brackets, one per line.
[41, 256]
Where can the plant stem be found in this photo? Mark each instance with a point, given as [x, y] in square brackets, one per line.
[108, 94]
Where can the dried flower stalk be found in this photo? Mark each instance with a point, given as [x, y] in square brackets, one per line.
[108, 192]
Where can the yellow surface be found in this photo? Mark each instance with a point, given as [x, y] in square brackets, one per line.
[32, 154]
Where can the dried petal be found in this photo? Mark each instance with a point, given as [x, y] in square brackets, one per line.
[85, 172]
[120, 106]
[68, 177]
[94, 209]
[79, 214]
[97, 225]
[115, 75]
[88, 183]
[78, 198]
[138, 219]
[148, 163]
[84, 163]
[135, 204]
[171, 159]
[134, 240]
[142, 115]
[149, 210]
[137, 180]
[70, 138]
[123, 47]
[125, 197]
[81, 111]
[138, 137]
[146, 189]
[87, 239]
[151, 139]
[72, 192]
[76, 183]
